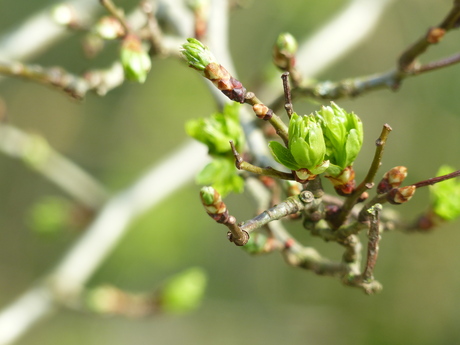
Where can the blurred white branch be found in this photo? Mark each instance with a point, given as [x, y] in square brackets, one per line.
[100, 238]
[38, 32]
[36, 152]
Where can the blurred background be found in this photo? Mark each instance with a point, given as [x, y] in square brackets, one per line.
[249, 300]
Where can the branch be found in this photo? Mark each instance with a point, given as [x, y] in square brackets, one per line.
[406, 67]
[37, 153]
[368, 181]
[67, 279]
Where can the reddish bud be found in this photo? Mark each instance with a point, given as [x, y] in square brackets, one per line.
[392, 179]
[401, 195]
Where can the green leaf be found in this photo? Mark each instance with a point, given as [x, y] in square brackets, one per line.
[282, 155]
[222, 174]
[446, 196]
[184, 291]
[217, 130]
[352, 148]
[334, 170]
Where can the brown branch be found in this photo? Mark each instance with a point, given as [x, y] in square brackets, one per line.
[287, 94]
[406, 67]
[434, 180]
[373, 244]
[433, 36]
[118, 13]
[368, 181]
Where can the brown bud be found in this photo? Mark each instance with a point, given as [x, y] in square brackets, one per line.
[401, 195]
[215, 72]
[435, 35]
[392, 179]
[344, 184]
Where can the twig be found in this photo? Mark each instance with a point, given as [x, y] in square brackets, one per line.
[368, 181]
[291, 205]
[35, 151]
[117, 13]
[265, 113]
[155, 34]
[433, 36]
[99, 81]
[434, 180]
[243, 165]
[287, 94]
[373, 244]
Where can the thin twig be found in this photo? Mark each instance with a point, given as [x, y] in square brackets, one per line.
[433, 180]
[243, 165]
[373, 244]
[117, 13]
[287, 94]
[368, 181]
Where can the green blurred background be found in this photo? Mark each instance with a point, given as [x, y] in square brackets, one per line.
[249, 300]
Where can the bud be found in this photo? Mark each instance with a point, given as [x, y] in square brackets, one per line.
[307, 148]
[197, 55]
[183, 292]
[344, 183]
[213, 204]
[64, 14]
[401, 195]
[135, 60]
[284, 51]
[392, 179]
[343, 134]
[109, 28]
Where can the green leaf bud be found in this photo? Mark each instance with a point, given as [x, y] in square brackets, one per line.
[307, 148]
[343, 133]
[212, 201]
[197, 55]
[446, 196]
[184, 292]
[284, 51]
[135, 60]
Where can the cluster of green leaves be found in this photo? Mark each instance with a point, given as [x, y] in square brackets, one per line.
[326, 141]
[215, 132]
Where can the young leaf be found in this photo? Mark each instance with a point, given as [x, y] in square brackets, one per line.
[282, 155]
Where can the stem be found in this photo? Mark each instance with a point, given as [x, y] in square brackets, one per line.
[269, 171]
[287, 94]
[419, 47]
[291, 205]
[117, 13]
[368, 180]
[275, 120]
[434, 180]
[373, 244]
[155, 34]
